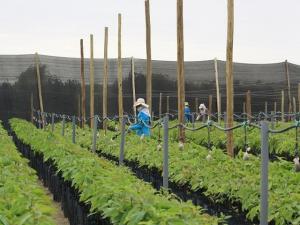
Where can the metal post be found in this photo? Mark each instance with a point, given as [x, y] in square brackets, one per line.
[166, 152]
[95, 125]
[73, 129]
[264, 173]
[122, 144]
[63, 125]
[52, 122]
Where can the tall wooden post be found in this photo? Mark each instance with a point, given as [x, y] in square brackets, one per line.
[229, 75]
[209, 105]
[248, 105]
[282, 105]
[266, 107]
[196, 105]
[299, 96]
[149, 59]
[82, 83]
[168, 104]
[160, 105]
[92, 79]
[31, 107]
[218, 90]
[105, 78]
[37, 64]
[133, 87]
[287, 74]
[180, 68]
[120, 75]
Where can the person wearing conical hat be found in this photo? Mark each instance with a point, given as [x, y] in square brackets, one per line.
[187, 113]
[142, 126]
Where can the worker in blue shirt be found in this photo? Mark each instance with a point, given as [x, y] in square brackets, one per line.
[143, 121]
[187, 113]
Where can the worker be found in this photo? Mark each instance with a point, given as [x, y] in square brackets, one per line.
[141, 127]
[187, 113]
[202, 112]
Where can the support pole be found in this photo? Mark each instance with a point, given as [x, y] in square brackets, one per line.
[31, 107]
[37, 64]
[196, 105]
[209, 106]
[52, 122]
[79, 108]
[133, 87]
[73, 129]
[282, 105]
[160, 105]
[299, 96]
[95, 126]
[248, 105]
[149, 57]
[229, 75]
[275, 107]
[168, 104]
[166, 153]
[83, 97]
[244, 107]
[120, 81]
[105, 80]
[218, 90]
[180, 68]
[266, 108]
[264, 174]
[63, 125]
[287, 73]
[92, 78]
[122, 144]
[294, 105]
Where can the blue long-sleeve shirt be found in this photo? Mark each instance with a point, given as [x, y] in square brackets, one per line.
[142, 125]
[187, 114]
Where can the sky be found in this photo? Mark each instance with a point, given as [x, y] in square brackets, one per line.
[266, 31]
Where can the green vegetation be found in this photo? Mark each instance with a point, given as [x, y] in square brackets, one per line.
[110, 189]
[22, 199]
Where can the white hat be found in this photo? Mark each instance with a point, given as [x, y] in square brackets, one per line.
[202, 106]
[140, 101]
[186, 103]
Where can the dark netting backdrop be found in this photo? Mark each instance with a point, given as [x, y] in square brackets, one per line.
[61, 84]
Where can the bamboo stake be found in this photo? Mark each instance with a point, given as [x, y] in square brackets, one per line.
[248, 105]
[168, 104]
[92, 78]
[149, 59]
[31, 107]
[120, 81]
[209, 106]
[37, 64]
[282, 105]
[180, 68]
[105, 78]
[82, 83]
[218, 90]
[287, 73]
[160, 105]
[229, 75]
[133, 87]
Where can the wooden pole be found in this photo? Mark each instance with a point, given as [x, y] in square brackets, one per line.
[229, 75]
[218, 90]
[37, 64]
[120, 75]
[287, 73]
[209, 105]
[294, 105]
[31, 107]
[266, 107]
[275, 107]
[196, 105]
[105, 78]
[244, 107]
[282, 105]
[133, 87]
[180, 68]
[248, 105]
[82, 83]
[160, 105]
[92, 78]
[149, 59]
[299, 96]
[168, 104]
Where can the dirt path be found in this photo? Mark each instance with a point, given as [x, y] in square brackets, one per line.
[59, 217]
